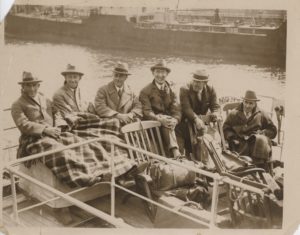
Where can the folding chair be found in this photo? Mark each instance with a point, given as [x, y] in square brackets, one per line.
[144, 135]
[243, 203]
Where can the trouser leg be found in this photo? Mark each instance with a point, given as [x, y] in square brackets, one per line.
[169, 139]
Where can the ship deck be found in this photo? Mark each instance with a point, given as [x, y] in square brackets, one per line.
[132, 212]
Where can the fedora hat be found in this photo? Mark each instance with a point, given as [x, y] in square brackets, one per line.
[71, 69]
[250, 95]
[121, 68]
[161, 65]
[28, 78]
[200, 75]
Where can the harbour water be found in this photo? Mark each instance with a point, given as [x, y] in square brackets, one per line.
[47, 61]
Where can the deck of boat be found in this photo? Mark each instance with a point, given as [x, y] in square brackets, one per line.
[132, 212]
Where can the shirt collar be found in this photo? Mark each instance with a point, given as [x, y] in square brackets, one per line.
[160, 86]
[119, 88]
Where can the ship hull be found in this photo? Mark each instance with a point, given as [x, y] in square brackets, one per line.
[109, 31]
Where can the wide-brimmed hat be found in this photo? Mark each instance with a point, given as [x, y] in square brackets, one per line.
[250, 95]
[28, 78]
[121, 68]
[71, 69]
[161, 65]
[200, 75]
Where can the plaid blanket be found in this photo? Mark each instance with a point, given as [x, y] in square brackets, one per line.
[84, 165]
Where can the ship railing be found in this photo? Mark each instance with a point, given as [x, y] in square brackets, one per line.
[11, 168]
[223, 29]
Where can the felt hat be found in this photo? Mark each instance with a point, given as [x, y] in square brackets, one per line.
[200, 75]
[71, 69]
[161, 65]
[28, 78]
[121, 68]
[250, 96]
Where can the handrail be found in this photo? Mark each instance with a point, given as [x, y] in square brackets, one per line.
[111, 218]
[82, 205]
[215, 176]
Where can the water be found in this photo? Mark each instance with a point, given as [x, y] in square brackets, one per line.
[47, 61]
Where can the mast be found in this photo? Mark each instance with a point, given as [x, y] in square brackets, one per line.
[176, 9]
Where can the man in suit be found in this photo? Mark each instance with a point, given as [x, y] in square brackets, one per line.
[196, 99]
[249, 130]
[32, 112]
[69, 100]
[116, 99]
[160, 103]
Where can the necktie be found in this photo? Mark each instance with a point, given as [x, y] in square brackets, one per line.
[120, 93]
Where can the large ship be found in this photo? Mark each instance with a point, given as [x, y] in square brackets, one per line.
[253, 39]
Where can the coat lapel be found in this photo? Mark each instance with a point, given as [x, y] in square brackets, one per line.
[126, 96]
[193, 98]
[78, 99]
[113, 94]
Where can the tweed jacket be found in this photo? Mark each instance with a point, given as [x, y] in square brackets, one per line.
[108, 104]
[66, 101]
[155, 101]
[191, 105]
[237, 126]
[33, 116]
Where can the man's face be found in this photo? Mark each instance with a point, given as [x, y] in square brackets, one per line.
[160, 75]
[72, 80]
[31, 89]
[249, 105]
[119, 79]
[198, 85]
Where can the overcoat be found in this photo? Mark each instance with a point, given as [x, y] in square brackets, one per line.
[108, 104]
[67, 101]
[238, 127]
[32, 116]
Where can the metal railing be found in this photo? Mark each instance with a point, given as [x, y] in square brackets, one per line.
[10, 167]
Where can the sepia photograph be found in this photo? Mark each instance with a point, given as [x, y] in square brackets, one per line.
[139, 114]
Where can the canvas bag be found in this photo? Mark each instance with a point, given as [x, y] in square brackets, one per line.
[167, 176]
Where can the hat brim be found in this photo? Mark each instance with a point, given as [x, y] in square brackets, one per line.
[71, 72]
[201, 80]
[37, 81]
[250, 99]
[160, 67]
[122, 72]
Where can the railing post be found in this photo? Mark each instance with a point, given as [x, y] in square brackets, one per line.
[14, 197]
[112, 185]
[214, 204]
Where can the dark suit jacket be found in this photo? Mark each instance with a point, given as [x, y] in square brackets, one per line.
[191, 105]
[155, 101]
[108, 103]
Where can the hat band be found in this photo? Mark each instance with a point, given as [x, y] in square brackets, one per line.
[119, 70]
[200, 77]
[28, 79]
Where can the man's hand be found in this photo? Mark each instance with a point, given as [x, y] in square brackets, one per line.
[72, 120]
[261, 132]
[214, 117]
[125, 117]
[167, 121]
[199, 123]
[52, 132]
